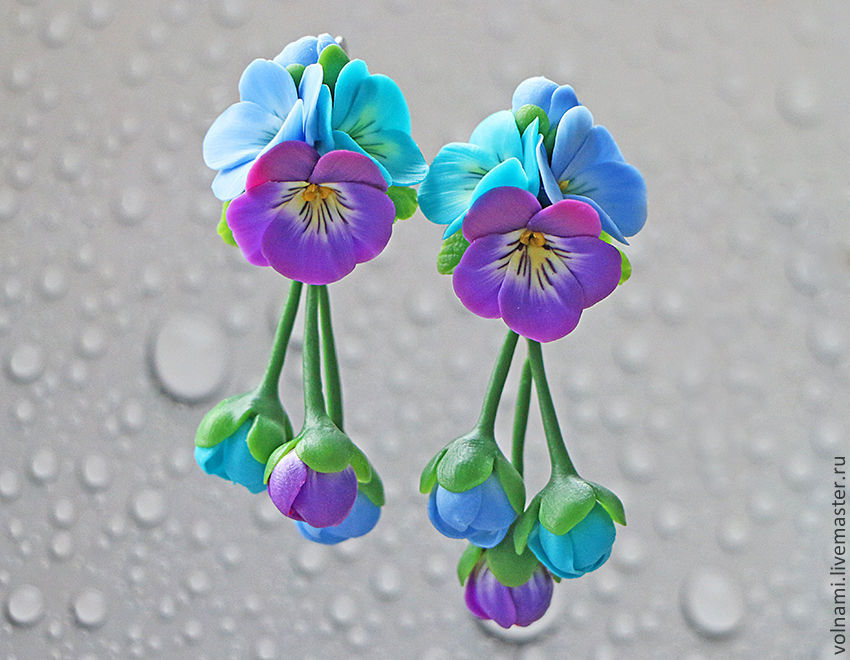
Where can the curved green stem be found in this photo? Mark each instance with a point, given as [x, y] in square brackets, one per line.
[332, 380]
[554, 440]
[487, 419]
[523, 401]
[269, 384]
[314, 400]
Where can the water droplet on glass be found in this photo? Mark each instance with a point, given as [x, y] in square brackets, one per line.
[57, 31]
[229, 13]
[25, 363]
[132, 416]
[95, 472]
[91, 343]
[189, 357]
[198, 582]
[798, 102]
[54, 283]
[25, 605]
[343, 610]
[10, 485]
[733, 534]
[130, 207]
[8, 204]
[310, 558]
[44, 466]
[388, 582]
[89, 608]
[148, 507]
[712, 602]
[265, 649]
[64, 513]
[62, 545]
[826, 340]
[827, 437]
[97, 14]
[668, 519]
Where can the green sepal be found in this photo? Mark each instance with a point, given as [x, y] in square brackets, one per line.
[332, 58]
[296, 71]
[223, 228]
[323, 447]
[468, 462]
[265, 436]
[610, 502]
[511, 481]
[467, 562]
[429, 473]
[524, 524]
[224, 419]
[625, 264]
[510, 568]
[405, 201]
[549, 140]
[373, 489]
[527, 114]
[275, 456]
[451, 252]
[565, 501]
[557, 578]
[361, 465]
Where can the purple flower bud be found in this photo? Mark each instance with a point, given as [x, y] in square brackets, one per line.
[320, 499]
[487, 598]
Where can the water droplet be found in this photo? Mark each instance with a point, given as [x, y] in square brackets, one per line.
[202, 533]
[54, 283]
[25, 363]
[343, 610]
[64, 513]
[57, 31]
[44, 466]
[712, 602]
[668, 519]
[132, 416]
[631, 355]
[62, 546]
[827, 437]
[198, 582]
[388, 582]
[189, 357]
[25, 605]
[265, 649]
[10, 485]
[91, 343]
[89, 608]
[229, 13]
[8, 204]
[637, 462]
[310, 558]
[193, 631]
[148, 507]
[95, 472]
[629, 556]
[131, 206]
[733, 534]
[826, 340]
[798, 102]
[97, 14]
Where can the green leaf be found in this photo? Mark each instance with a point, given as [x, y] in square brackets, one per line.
[467, 561]
[265, 436]
[549, 140]
[610, 502]
[451, 252]
[405, 201]
[524, 524]
[468, 461]
[361, 465]
[625, 264]
[275, 457]
[223, 229]
[373, 489]
[296, 71]
[223, 420]
[512, 569]
[429, 474]
[332, 59]
[324, 448]
[565, 503]
[527, 114]
[512, 483]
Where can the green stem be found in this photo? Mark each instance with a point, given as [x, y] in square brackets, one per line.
[332, 380]
[523, 401]
[269, 384]
[314, 400]
[554, 440]
[487, 420]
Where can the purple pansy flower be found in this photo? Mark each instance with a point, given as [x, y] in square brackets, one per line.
[312, 219]
[320, 499]
[487, 598]
[534, 268]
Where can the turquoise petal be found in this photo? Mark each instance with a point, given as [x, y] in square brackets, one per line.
[499, 134]
[292, 129]
[324, 133]
[398, 153]
[377, 105]
[349, 79]
[530, 139]
[238, 135]
[343, 141]
[452, 177]
[270, 86]
[309, 91]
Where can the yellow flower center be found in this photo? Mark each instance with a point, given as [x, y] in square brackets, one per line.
[314, 190]
[563, 185]
[533, 238]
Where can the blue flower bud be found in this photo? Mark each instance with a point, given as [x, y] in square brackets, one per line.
[481, 514]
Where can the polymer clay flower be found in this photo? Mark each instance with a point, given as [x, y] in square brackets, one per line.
[586, 165]
[271, 110]
[370, 116]
[360, 520]
[487, 598]
[550, 97]
[497, 155]
[475, 492]
[534, 268]
[236, 438]
[312, 218]
[304, 51]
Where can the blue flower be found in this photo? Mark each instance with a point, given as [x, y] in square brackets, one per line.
[552, 98]
[496, 155]
[361, 520]
[271, 110]
[587, 165]
[231, 459]
[370, 116]
[305, 51]
[582, 549]
[481, 514]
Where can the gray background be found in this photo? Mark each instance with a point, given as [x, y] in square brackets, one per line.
[710, 391]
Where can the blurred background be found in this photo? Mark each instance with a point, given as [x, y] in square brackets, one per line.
[710, 391]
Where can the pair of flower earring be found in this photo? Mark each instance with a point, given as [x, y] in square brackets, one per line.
[315, 164]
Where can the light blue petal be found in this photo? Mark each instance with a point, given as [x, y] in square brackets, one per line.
[231, 183]
[309, 89]
[530, 139]
[573, 130]
[292, 129]
[499, 134]
[454, 225]
[454, 173]
[534, 91]
[303, 51]
[349, 80]
[484, 538]
[268, 85]
[550, 183]
[598, 147]
[608, 225]
[398, 153]
[343, 141]
[377, 105]
[458, 510]
[231, 459]
[619, 189]
[496, 512]
[324, 41]
[439, 524]
[509, 173]
[562, 100]
[324, 134]
[238, 135]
